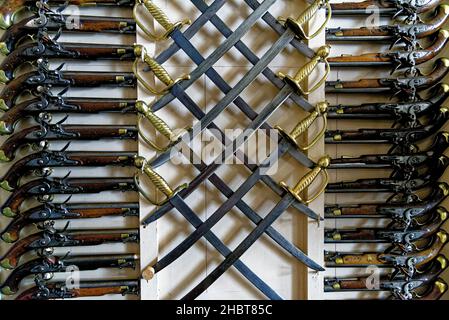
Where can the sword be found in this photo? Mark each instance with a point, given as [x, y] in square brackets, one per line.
[190, 216]
[292, 195]
[286, 143]
[285, 39]
[292, 84]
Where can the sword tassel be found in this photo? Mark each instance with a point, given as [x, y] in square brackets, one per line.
[161, 18]
[158, 71]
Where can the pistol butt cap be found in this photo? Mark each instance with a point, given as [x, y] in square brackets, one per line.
[445, 61]
[443, 236]
[7, 212]
[6, 291]
[6, 264]
[3, 105]
[4, 49]
[3, 77]
[444, 86]
[3, 157]
[6, 186]
[444, 8]
[443, 262]
[444, 187]
[5, 21]
[441, 285]
[9, 237]
[444, 33]
[4, 129]
[443, 213]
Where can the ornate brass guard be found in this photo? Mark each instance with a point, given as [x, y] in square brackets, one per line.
[305, 71]
[156, 180]
[307, 180]
[157, 69]
[160, 17]
[297, 24]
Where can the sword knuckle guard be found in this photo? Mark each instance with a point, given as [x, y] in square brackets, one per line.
[161, 18]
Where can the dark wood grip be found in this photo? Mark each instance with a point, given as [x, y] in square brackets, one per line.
[11, 258]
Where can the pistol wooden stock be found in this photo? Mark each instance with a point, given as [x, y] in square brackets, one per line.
[34, 107]
[391, 33]
[45, 239]
[32, 80]
[385, 8]
[398, 59]
[31, 52]
[62, 211]
[64, 132]
[437, 290]
[49, 159]
[54, 264]
[86, 289]
[9, 8]
[49, 186]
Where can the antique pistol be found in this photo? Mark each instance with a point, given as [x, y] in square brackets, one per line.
[408, 263]
[395, 8]
[48, 48]
[49, 211]
[45, 187]
[48, 103]
[59, 290]
[400, 287]
[403, 87]
[45, 240]
[405, 166]
[405, 34]
[10, 8]
[40, 135]
[406, 187]
[40, 163]
[31, 26]
[399, 59]
[45, 267]
[401, 139]
[400, 212]
[405, 114]
[43, 77]
[395, 235]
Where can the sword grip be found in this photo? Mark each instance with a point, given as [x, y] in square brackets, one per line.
[157, 181]
[158, 70]
[307, 180]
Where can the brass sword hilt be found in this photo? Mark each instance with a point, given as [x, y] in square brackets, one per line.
[159, 182]
[157, 69]
[303, 125]
[305, 71]
[296, 25]
[160, 17]
[159, 125]
[307, 180]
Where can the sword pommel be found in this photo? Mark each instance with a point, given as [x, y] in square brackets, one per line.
[157, 181]
[303, 125]
[157, 69]
[305, 71]
[158, 124]
[161, 18]
[307, 180]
